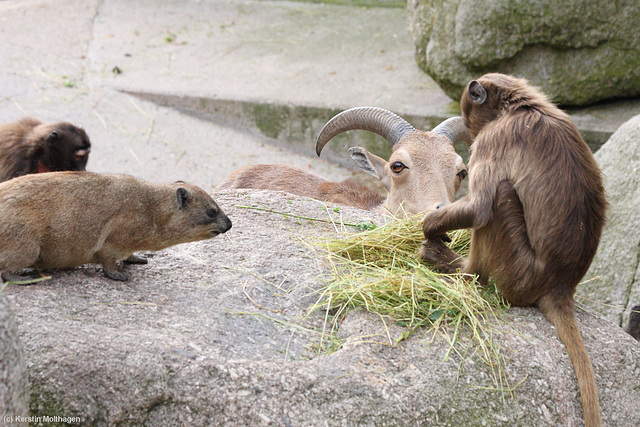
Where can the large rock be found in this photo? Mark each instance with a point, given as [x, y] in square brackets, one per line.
[577, 52]
[14, 387]
[615, 275]
[218, 333]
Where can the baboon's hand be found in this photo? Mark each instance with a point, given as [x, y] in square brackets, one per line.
[434, 251]
[428, 252]
[444, 237]
[430, 226]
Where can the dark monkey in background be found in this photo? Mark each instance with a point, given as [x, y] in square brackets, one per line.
[31, 146]
[536, 205]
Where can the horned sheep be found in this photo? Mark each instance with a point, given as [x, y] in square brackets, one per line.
[423, 173]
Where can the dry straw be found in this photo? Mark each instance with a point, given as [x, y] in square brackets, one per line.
[380, 271]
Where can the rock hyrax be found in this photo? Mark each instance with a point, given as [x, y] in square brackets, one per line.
[65, 219]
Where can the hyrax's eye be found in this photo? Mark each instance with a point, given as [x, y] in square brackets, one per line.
[397, 167]
[211, 213]
[462, 174]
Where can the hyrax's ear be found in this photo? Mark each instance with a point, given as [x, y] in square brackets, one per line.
[370, 163]
[182, 194]
[53, 137]
[477, 93]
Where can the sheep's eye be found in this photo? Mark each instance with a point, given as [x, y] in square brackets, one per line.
[211, 213]
[463, 174]
[397, 167]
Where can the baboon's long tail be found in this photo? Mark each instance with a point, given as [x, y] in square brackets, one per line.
[559, 310]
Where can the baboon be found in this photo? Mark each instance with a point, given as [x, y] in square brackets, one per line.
[31, 146]
[536, 206]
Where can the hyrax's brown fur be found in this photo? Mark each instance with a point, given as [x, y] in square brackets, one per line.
[31, 146]
[65, 219]
[536, 205]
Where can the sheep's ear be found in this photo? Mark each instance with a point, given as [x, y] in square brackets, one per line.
[370, 163]
[182, 195]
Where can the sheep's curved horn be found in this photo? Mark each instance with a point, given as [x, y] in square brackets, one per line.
[454, 129]
[378, 120]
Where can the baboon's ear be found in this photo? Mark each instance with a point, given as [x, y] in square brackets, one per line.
[182, 194]
[477, 93]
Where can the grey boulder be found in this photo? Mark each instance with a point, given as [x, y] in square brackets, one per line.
[615, 277]
[14, 387]
[219, 333]
[578, 52]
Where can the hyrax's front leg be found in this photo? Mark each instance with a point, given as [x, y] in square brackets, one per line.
[114, 273]
[110, 268]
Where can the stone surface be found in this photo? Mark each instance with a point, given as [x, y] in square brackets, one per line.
[616, 276]
[219, 333]
[578, 52]
[14, 386]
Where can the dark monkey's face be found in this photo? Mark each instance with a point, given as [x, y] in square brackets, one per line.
[66, 148]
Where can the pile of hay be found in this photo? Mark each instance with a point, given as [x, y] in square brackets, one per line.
[380, 271]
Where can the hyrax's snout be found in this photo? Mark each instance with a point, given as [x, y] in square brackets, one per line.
[220, 220]
[224, 223]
